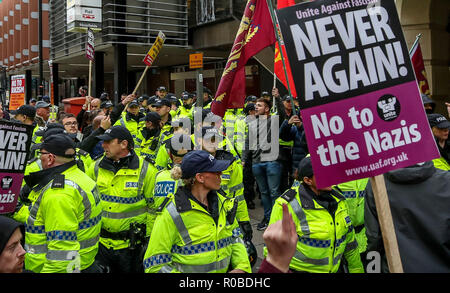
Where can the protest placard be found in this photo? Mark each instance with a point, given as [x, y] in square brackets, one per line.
[15, 140]
[17, 96]
[360, 103]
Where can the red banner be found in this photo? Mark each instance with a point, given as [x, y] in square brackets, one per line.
[419, 69]
[278, 64]
[255, 33]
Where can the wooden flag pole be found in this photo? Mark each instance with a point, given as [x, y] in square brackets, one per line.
[386, 224]
[140, 80]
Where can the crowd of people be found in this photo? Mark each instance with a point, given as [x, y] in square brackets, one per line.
[159, 184]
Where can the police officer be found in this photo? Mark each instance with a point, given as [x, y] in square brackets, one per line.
[185, 109]
[123, 179]
[132, 119]
[197, 231]
[440, 127]
[53, 109]
[161, 92]
[149, 138]
[325, 231]
[163, 107]
[354, 193]
[64, 220]
[232, 181]
[165, 185]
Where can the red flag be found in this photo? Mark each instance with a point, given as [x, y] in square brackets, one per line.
[419, 69]
[254, 34]
[278, 64]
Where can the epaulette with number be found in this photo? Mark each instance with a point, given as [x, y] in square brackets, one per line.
[163, 205]
[32, 160]
[151, 161]
[82, 152]
[97, 157]
[289, 195]
[58, 182]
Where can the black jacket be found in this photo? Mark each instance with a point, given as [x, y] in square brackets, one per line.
[419, 198]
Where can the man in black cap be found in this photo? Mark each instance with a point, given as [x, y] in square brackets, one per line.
[440, 127]
[161, 92]
[25, 114]
[323, 225]
[163, 107]
[106, 107]
[12, 254]
[207, 98]
[132, 119]
[123, 179]
[185, 109]
[150, 102]
[143, 103]
[149, 139]
[33, 102]
[105, 97]
[428, 104]
[65, 214]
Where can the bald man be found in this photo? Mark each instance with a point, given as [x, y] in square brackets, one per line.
[95, 104]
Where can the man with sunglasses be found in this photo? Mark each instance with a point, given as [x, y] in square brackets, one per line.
[64, 220]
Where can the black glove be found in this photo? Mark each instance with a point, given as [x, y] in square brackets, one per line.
[246, 230]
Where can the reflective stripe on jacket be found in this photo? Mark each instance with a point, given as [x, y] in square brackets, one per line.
[63, 226]
[323, 239]
[187, 239]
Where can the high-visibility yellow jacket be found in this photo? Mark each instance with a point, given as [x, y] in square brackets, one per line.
[64, 221]
[164, 186]
[184, 112]
[83, 159]
[354, 193]
[232, 183]
[442, 164]
[323, 239]
[132, 125]
[149, 147]
[187, 238]
[125, 196]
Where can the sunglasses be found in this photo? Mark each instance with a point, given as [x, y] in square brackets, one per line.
[39, 153]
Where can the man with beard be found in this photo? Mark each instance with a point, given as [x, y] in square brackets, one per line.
[186, 109]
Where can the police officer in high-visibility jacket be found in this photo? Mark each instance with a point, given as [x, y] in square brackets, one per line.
[325, 231]
[440, 127]
[354, 193]
[232, 180]
[185, 109]
[123, 179]
[149, 138]
[197, 230]
[64, 219]
[132, 119]
[165, 184]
